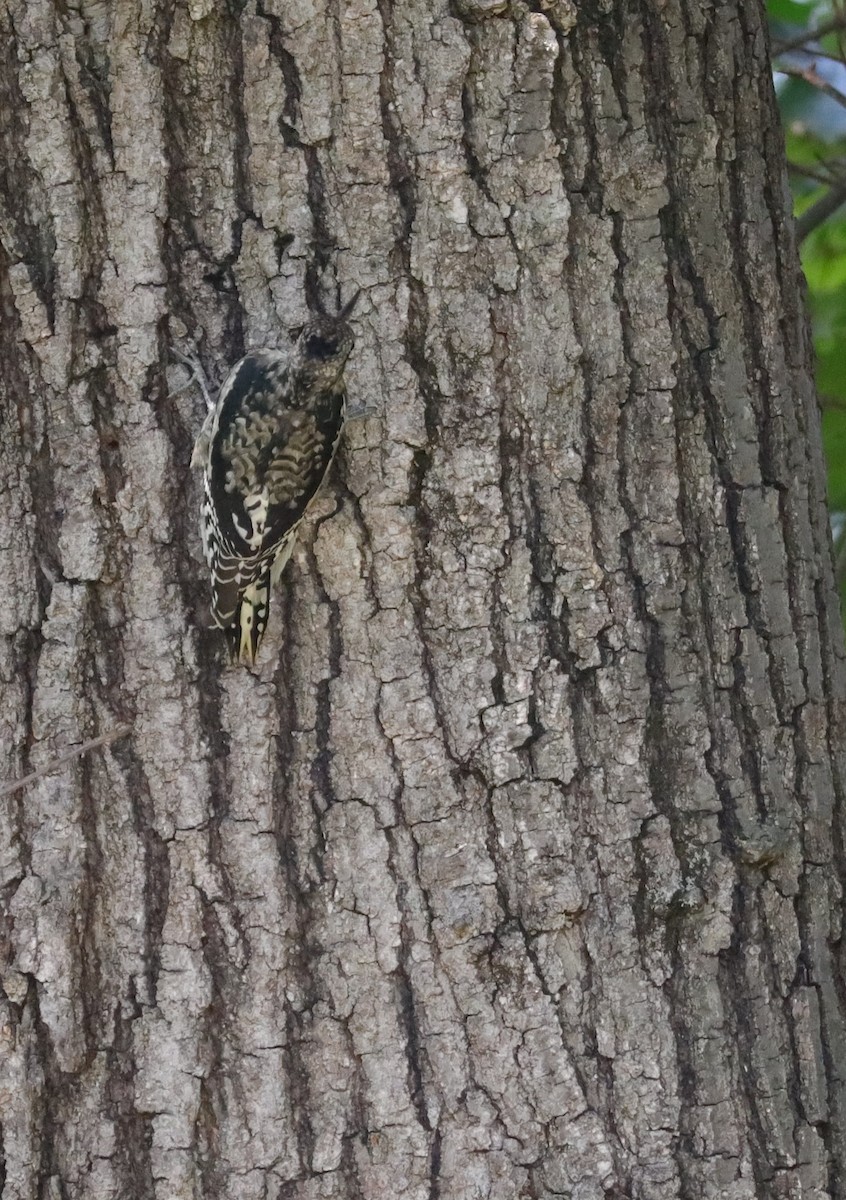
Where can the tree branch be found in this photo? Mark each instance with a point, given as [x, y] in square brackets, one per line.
[828, 173]
[820, 210]
[801, 40]
[809, 75]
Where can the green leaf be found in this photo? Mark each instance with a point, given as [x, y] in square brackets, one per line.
[834, 440]
[824, 262]
[792, 13]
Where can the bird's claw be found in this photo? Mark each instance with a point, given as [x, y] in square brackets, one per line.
[192, 362]
[361, 410]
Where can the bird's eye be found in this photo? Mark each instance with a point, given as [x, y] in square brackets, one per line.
[320, 347]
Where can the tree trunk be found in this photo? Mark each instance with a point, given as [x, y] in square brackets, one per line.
[514, 868]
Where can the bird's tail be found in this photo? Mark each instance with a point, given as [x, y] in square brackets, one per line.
[247, 629]
[245, 632]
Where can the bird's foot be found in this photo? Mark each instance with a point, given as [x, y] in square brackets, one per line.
[362, 410]
[197, 375]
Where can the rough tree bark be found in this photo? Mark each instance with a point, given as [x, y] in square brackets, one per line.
[513, 870]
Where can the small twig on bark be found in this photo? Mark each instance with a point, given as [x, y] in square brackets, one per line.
[103, 740]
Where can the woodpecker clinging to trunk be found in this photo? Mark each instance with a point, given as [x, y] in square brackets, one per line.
[265, 449]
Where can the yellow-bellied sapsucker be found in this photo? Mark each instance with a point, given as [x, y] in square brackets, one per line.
[265, 449]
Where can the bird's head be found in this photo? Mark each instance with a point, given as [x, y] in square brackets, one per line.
[324, 345]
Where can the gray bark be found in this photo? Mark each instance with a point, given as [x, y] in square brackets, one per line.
[514, 869]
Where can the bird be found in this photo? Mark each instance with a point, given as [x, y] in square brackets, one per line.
[265, 450]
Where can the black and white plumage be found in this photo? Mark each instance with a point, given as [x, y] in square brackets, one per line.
[265, 449]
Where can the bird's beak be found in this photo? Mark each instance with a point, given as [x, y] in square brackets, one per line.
[343, 315]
